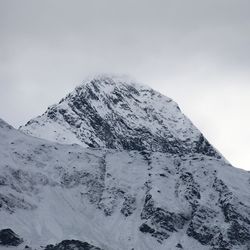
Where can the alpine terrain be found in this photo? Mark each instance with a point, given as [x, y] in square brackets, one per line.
[115, 165]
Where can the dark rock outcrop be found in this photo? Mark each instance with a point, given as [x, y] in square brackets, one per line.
[9, 238]
[72, 245]
[159, 222]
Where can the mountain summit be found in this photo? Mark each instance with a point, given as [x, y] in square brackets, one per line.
[117, 113]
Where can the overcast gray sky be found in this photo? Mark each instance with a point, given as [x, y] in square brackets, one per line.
[196, 52]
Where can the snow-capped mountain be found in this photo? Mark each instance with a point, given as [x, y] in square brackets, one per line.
[113, 112]
[149, 180]
[114, 199]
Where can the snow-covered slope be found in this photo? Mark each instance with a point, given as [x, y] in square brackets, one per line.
[113, 112]
[118, 199]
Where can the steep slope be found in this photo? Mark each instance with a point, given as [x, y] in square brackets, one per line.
[117, 113]
[116, 199]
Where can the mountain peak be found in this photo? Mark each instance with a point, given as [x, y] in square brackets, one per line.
[114, 112]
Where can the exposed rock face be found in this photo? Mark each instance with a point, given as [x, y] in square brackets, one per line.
[149, 179]
[159, 222]
[72, 245]
[110, 112]
[9, 238]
